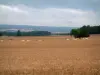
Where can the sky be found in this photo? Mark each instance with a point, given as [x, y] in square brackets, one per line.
[71, 13]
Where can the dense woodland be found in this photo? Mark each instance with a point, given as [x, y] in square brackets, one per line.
[92, 29]
[85, 31]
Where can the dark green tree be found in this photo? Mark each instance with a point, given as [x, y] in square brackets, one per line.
[81, 32]
[18, 33]
[75, 32]
[84, 31]
[1, 34]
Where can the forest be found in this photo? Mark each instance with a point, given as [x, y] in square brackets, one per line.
[85, 31]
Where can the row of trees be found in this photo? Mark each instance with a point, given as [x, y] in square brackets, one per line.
[32, 33]
[85, 31]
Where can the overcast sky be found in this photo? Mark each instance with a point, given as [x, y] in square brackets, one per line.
[50, 12]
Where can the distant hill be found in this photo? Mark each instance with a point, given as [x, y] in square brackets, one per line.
[35, 28]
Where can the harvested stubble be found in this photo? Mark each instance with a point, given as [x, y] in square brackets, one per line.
[54, 56]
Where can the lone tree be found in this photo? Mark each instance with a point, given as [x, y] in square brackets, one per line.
[18, 33]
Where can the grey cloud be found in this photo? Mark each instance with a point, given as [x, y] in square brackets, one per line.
[47, 16]
[79, 4]
[50, 12]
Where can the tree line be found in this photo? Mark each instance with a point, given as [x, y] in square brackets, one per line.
[85, 31]
[31, 33]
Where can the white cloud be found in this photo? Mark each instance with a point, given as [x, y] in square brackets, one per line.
[11, 9]
[22, 14]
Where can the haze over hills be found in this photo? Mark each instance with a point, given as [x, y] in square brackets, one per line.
[35, 28]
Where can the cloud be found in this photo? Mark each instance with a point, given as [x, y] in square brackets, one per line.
[11, 9]
[80, 4]
[22, 14]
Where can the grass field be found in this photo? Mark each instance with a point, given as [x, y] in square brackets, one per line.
[52, 55]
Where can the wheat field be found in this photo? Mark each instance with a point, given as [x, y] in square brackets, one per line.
[49, 55]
